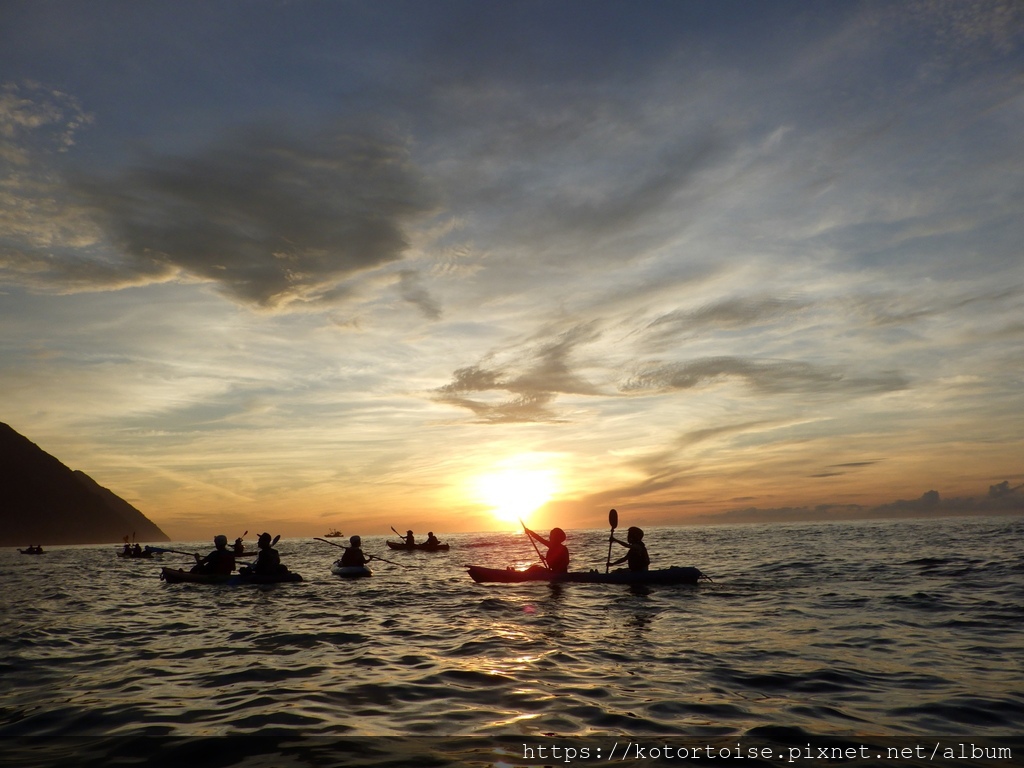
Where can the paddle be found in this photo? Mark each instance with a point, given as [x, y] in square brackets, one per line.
[401, 536]
[391, 562]
[527, 530]
[325, 541]
[175, 551]
[613, 521]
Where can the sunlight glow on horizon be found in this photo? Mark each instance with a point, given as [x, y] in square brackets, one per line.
[515, 489]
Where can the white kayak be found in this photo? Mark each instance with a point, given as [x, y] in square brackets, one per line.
[350, 571]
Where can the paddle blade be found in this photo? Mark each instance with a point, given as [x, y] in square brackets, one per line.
[613, 519]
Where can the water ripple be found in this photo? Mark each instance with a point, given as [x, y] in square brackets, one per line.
[808, 631]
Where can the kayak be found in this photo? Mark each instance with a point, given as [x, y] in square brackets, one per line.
[178, 576]
[673, 575]
[31, 552]
[418, 547]
[350, 571]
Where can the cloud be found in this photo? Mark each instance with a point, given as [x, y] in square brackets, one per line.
[272, 222]
[696, 436]
[764, 376]
[891, 309]
[727, 314]
[36, 126]
[268, 220]
[35, 119]
[963, 33]
[1002, 489]
[534, 380]
[837, 470]
[413, 291]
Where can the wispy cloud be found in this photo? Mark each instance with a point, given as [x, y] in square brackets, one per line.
[764, 376]
[534, 378]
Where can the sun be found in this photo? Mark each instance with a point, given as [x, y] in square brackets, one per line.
[513, 493]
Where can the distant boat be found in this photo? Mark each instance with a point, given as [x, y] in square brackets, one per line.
[334, 533]
[132, 554]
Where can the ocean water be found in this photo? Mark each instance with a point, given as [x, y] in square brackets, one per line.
[891, 643]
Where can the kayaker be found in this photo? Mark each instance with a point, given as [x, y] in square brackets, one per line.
[410, 539]
[137, 550]
[268, 561]
[127, 549]
[636, 558]
[432, 540]
[218, 561]
[239, 546]
[557, 557]
[354, 556]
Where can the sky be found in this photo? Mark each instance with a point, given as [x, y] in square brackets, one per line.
[291, 266]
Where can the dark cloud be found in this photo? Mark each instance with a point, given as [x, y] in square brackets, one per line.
[765, 376]
[533, 381]
[270, 221]
[1002, 489]
[835, 470]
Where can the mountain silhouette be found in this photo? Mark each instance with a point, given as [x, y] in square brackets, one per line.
[44, 502]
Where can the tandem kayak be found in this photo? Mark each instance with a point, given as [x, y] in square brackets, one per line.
[178, 576]
[350, 571]
[401, 545]
[673, 575]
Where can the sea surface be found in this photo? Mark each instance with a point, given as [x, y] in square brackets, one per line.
[859, 638]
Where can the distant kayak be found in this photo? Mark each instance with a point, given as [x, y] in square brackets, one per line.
[350, 571]
[178, 576]
[424, 547]
[31, 551]
[674, 575]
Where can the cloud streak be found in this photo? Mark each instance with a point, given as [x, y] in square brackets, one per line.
[771, 377]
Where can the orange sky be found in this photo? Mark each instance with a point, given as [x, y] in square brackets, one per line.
[433, 274]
